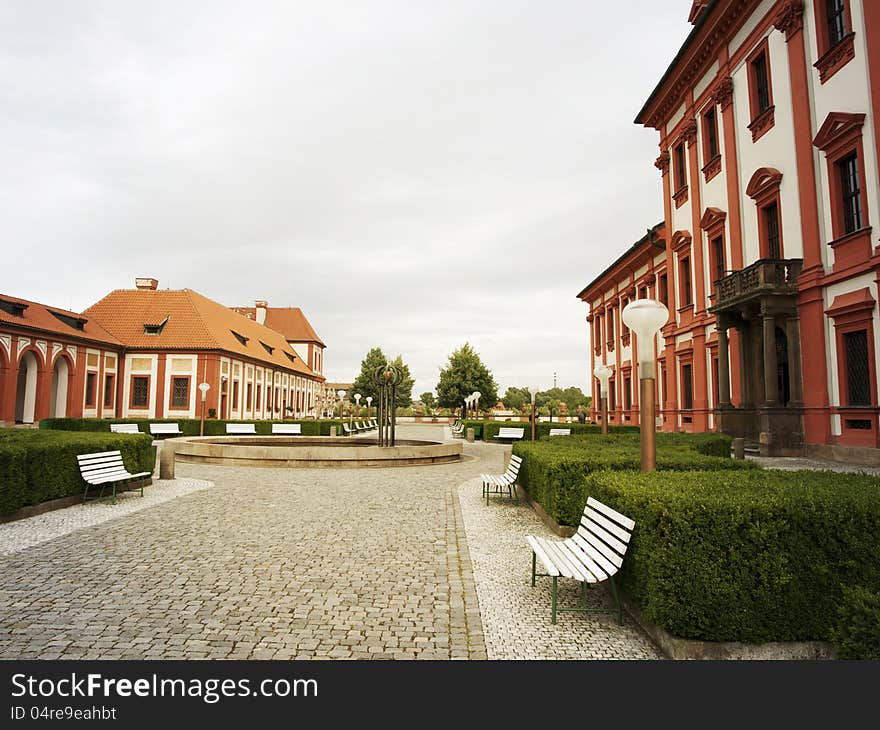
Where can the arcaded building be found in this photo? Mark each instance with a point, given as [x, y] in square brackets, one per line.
[769, 163]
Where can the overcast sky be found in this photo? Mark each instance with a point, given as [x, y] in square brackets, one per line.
[412, 174]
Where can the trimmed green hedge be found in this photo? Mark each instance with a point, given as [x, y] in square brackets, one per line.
[857, 634]
[487, 430]
[36, 466]
[189, 426]
[553, 470]
[759, 555]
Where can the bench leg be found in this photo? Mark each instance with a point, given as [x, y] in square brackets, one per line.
[534, 556]
[617, 601]
[553, 604]
[584, 594]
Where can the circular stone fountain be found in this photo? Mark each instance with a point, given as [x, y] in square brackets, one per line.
[306, 451]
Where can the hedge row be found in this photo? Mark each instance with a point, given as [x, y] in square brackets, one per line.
[189, 426]
[487, 430]
[858, 626]
[36, 466]
[553, 470]
[758, 555]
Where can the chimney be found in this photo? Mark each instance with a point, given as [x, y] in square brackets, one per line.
[146, 283]
[260, 306]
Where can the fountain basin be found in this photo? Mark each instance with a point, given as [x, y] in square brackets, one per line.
[307, 451]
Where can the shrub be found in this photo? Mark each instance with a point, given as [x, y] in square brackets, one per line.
[553, 471]
[755, 555]
[189, 426]
[857, 633]
[487, 430]
[36, 466]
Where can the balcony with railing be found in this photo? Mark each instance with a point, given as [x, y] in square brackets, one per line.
[764, 277]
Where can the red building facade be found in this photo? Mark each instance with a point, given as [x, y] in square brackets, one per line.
[769, 164]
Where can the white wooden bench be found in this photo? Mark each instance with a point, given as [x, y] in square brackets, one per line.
[105, 468]
[287, 428]
[509, 434]
[165, 429]
[241, 428]
[124, 428]
[560, 432]
[507, 480]
[457, 429]
[346, 430]
[592, 555]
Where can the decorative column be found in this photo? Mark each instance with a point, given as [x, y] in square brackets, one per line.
[771, 396]
[723, 367]
[795, 373]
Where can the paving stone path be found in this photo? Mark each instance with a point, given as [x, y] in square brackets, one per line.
[289, 563]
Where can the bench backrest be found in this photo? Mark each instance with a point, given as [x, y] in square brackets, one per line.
[124, 428]
[286, 428]
[345, 428]
[604, 535]
[103, 464]
[560, 432]
[241, 428]
[513, 465]
[156, 428]
[511, 433]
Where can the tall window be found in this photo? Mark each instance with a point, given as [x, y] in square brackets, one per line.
[848, 169]
[687, 387]
[259, 393]
[718, 257]
[771, 225]
[140, 391]
[685, 281]
[663, 286]
[716, 394]
[249, 403]
[108, 390]
[710, 129]
[612, 394]
[680, 172]
[858, 384]
[762, 83]
[235, 395]
[836, 21]
[627, 393]
[179, 392]
[90, 389]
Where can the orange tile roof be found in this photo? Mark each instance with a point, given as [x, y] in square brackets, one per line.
[194, 322]
[289, 321]
[40, 317]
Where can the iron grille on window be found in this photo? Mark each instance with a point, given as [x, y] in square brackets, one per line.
[687, 388]
[836, 21]
[180, 389]
[857, 370]
[762, 83]
[139, 391]
[771, 216]
[852, 194]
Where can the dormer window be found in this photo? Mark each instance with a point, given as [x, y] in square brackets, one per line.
[16, 309]
[268, 349]
[241, 338]
[291, 357]
[77, 323]
[156, 329]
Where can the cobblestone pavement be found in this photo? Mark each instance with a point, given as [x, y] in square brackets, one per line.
[516, 617]
[20, 534]
[268, 563]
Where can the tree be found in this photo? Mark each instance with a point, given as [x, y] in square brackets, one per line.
[464, 374]
[365, 383]
[427, 400]
[516, 398]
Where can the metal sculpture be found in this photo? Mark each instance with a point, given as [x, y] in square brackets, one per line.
[387, 379]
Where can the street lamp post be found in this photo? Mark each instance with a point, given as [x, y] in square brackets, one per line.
[603, 373]
[476, 397]
[369, 400]
[357, 399]
[341, 394]
[533, 391]
[645, 317]
[203, 389]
